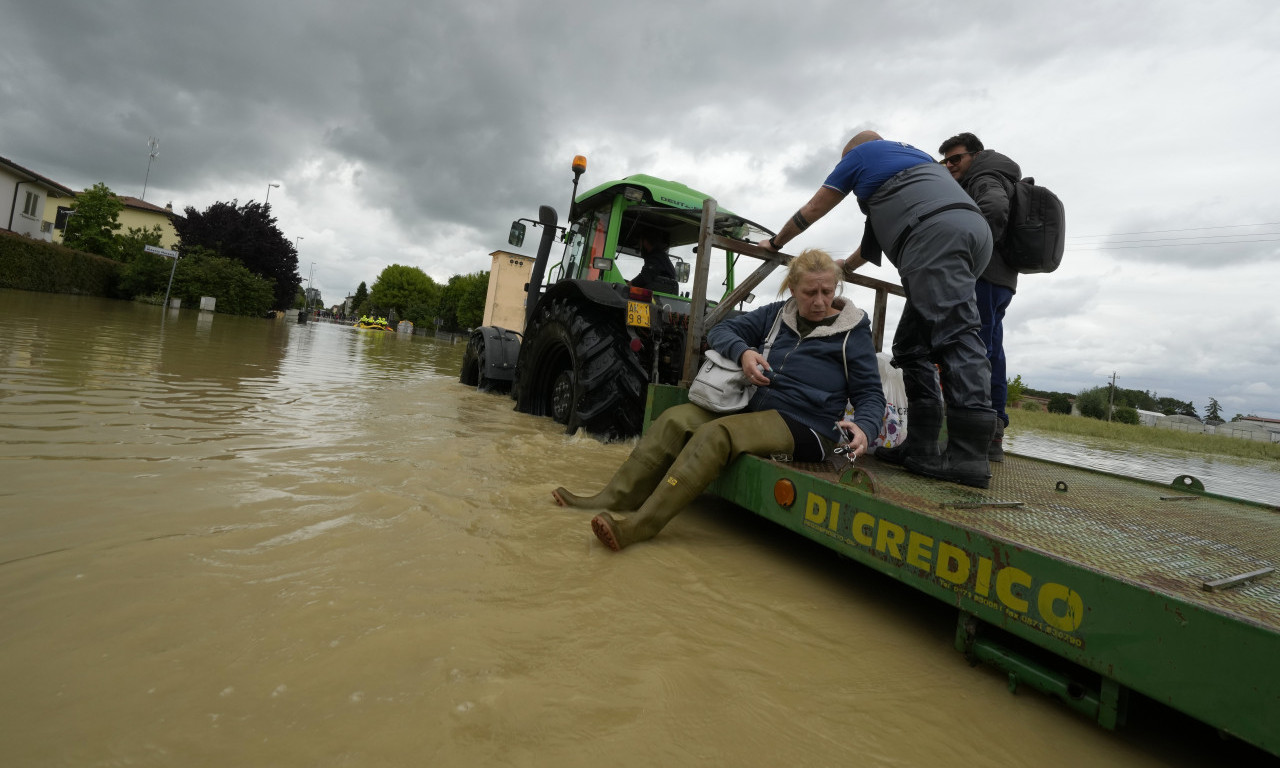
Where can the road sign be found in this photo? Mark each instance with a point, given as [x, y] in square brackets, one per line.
[160, 251]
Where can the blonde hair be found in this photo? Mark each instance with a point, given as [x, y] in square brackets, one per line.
[808, 261]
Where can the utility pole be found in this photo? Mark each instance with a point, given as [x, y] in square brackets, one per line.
[1112, 399]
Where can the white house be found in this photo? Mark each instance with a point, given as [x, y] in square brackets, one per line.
[23, 195]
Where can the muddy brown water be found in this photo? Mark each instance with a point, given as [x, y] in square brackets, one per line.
[228, 541]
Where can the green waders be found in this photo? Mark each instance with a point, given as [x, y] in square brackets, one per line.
[714, 443]
[632, 483]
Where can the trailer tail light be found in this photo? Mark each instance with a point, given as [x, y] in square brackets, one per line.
[636, 344]
[784, 492]
[639, 294]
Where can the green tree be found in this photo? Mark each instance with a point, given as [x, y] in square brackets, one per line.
[399, 287]
[1093, 402]
[237, 290]
[1214, 412]
[92, 225]
[1016, 389]
[360, 297]
[1059, 402]
[248, 234]
[462, 301]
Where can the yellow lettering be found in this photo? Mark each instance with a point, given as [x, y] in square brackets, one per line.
[953, 563]
[890, 535]
[815, 508]
[1005, 579]
[919, 550]
[983, 587]
[1073, 613]
[862, 525]
[835, 516]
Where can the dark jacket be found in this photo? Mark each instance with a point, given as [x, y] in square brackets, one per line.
[990, 183]
[808, 384]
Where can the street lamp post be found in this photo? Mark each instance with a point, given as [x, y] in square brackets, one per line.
[310, 286]
[268, 198]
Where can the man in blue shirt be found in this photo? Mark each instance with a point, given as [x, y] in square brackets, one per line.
[933, 233]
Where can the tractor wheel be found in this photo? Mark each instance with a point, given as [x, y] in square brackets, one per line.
[577, 367]
[473, 363]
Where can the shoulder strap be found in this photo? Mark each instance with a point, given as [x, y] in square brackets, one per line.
[773, 332]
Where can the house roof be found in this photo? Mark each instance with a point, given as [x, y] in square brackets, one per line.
[33, 176]
[143, 205]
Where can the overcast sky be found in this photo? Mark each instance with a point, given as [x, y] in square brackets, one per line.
[413, 132]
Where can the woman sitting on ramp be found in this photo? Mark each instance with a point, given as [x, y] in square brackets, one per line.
[823, 356]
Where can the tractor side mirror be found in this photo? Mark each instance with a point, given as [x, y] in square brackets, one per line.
[516, 236]
[682, 271]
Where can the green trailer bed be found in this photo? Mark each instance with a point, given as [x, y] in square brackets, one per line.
[1164, 590]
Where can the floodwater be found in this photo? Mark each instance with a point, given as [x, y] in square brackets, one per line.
[1254, 480]
[229, 541]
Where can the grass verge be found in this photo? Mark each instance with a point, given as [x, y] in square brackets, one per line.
[1129, 435]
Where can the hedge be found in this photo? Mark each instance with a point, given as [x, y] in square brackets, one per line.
[34, 265]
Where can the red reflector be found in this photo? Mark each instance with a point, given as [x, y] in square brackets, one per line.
[635, 345]
[640, 294]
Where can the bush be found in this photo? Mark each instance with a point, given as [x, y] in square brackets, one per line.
[1032, 405]
[34, 265]
[238, 291]
[1059, 403]
[1125, 415]
[1093, 403]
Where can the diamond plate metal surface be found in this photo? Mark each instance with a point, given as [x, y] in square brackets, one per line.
[1159, 537]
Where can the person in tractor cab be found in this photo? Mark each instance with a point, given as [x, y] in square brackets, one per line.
[658, 273]
[821, 358]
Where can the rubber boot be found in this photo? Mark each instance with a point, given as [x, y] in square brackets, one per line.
[632, 483]
[710, 449]
[924, 424]
[627, 489]
[969, 434]
[996, 451]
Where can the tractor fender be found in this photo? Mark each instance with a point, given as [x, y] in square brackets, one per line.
[502, 348]
[593, 291]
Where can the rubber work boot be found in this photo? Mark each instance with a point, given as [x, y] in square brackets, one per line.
[969, 434]
[924, 424]
[996, 451]
[710, 449]
[627, 489]
[632, 483]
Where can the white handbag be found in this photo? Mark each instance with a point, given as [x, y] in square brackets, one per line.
[720, 385]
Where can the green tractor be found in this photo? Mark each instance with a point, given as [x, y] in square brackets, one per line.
[592, 340]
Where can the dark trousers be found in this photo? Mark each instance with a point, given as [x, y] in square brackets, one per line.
[939, 265]
[993, 300]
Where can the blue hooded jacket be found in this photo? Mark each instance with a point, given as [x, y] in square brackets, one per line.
[808, 384]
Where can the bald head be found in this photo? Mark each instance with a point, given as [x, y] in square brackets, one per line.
[861, 137]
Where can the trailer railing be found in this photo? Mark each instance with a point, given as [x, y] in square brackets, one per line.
[700, 319]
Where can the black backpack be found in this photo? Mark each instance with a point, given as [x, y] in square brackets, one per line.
[1036, 234]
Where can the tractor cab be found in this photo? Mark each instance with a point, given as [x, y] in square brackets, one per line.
[613, 227]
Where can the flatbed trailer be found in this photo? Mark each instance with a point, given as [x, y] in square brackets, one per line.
[1168, 591]
[1081, 584]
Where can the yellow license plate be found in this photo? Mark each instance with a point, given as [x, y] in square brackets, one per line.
[637, 314]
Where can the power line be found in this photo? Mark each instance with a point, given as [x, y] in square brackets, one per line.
[1105, 247]
[1187, 229]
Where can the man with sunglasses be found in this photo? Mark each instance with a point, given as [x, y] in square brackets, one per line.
[936, 237]
[988, 177]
